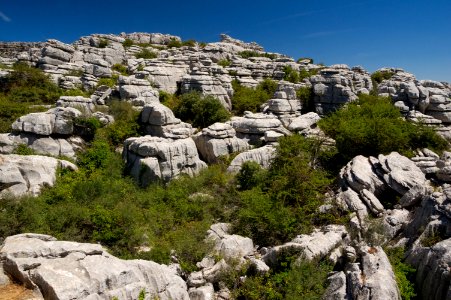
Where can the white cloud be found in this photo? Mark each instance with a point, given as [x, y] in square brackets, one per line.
[4, 17]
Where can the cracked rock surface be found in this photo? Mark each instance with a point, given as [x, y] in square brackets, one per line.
[70, 270]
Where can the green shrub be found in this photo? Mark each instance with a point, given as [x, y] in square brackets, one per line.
[23, 149]
[224, 63]
[301, 280]
[120, 68]
[189, 43]
[249, 99]
[127, 43]
[174, 43]
[86, 127]
[76, 73]
[284, 202]
[404, 273]
[303, 73]
[291, 74]
[111, 82]
[307, 97]
[200, 110]
[169, 100]
[125, 123]
[379, 76]
[11, 111]
[103, 43]
[251, 53]
[146, 54]
[373, 126]
[28, 84]
[250, 175]
[75, 92]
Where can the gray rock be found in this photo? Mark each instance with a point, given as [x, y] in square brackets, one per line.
[315, 245]
[69, 270]
[403, 174]
[218, 140]
[205, 292]
[26, 175]
[263, 156]
[153, 158]
[433, 270]
[375, 280]
[229, 246]
[303, 122]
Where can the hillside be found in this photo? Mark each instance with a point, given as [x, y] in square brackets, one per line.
[143, 166]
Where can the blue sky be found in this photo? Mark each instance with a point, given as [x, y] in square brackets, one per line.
[410, 34]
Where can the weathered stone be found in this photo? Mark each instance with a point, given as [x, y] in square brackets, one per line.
[28, 174]
[153, 158]
[263, 156]
[67, 270]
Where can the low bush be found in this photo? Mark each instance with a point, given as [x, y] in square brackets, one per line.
[146, 54]
[380, 76]
[103, 43]
[284, 200]
[291, 74]
[224, 63]
[120, 68]
[111, 82]
[201, 111]
[249, 99]
[174, 43]
[307, 97]
[251, 53]
[127, 43]
[372, 126]
[404, 273]
[304, 74]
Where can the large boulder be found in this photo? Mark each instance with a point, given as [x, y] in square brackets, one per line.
[433, 270]
[28, 174]
[315, 245]
[69, 270]
[151, 158]
[263, 156]
[229, 245]
[160, 121]
[218, 140]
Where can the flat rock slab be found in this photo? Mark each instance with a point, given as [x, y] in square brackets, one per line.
[69, 270]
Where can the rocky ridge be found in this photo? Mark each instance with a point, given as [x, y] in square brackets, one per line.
[172, 147]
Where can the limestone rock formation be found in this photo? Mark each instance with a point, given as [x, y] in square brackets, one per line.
[154, 158]
[218, 140]
[263, 156]
[69, 270]
[160, 121]
[27, 174]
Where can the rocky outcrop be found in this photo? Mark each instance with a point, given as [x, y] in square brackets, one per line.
[263, 156]
[433, 270]
[253, 126]
[160, 121]
[69, 270]
[137, 90]
[318, 244]
[26, 175]
[151, 158]
[369, 178]
[338, 84]
[372, 279]
[218, 140]
[229, 245]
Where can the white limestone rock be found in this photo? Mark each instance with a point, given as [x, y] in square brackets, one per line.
[70, 270]
[263, 156]
[152, 158]
[27, 174]
[315, 245]
[227, 245]
[218, 140]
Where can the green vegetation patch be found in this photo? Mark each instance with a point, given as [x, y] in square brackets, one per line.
[200, 110]
[373, 125]
[249, 99]
[250, 53]
[146, 54]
